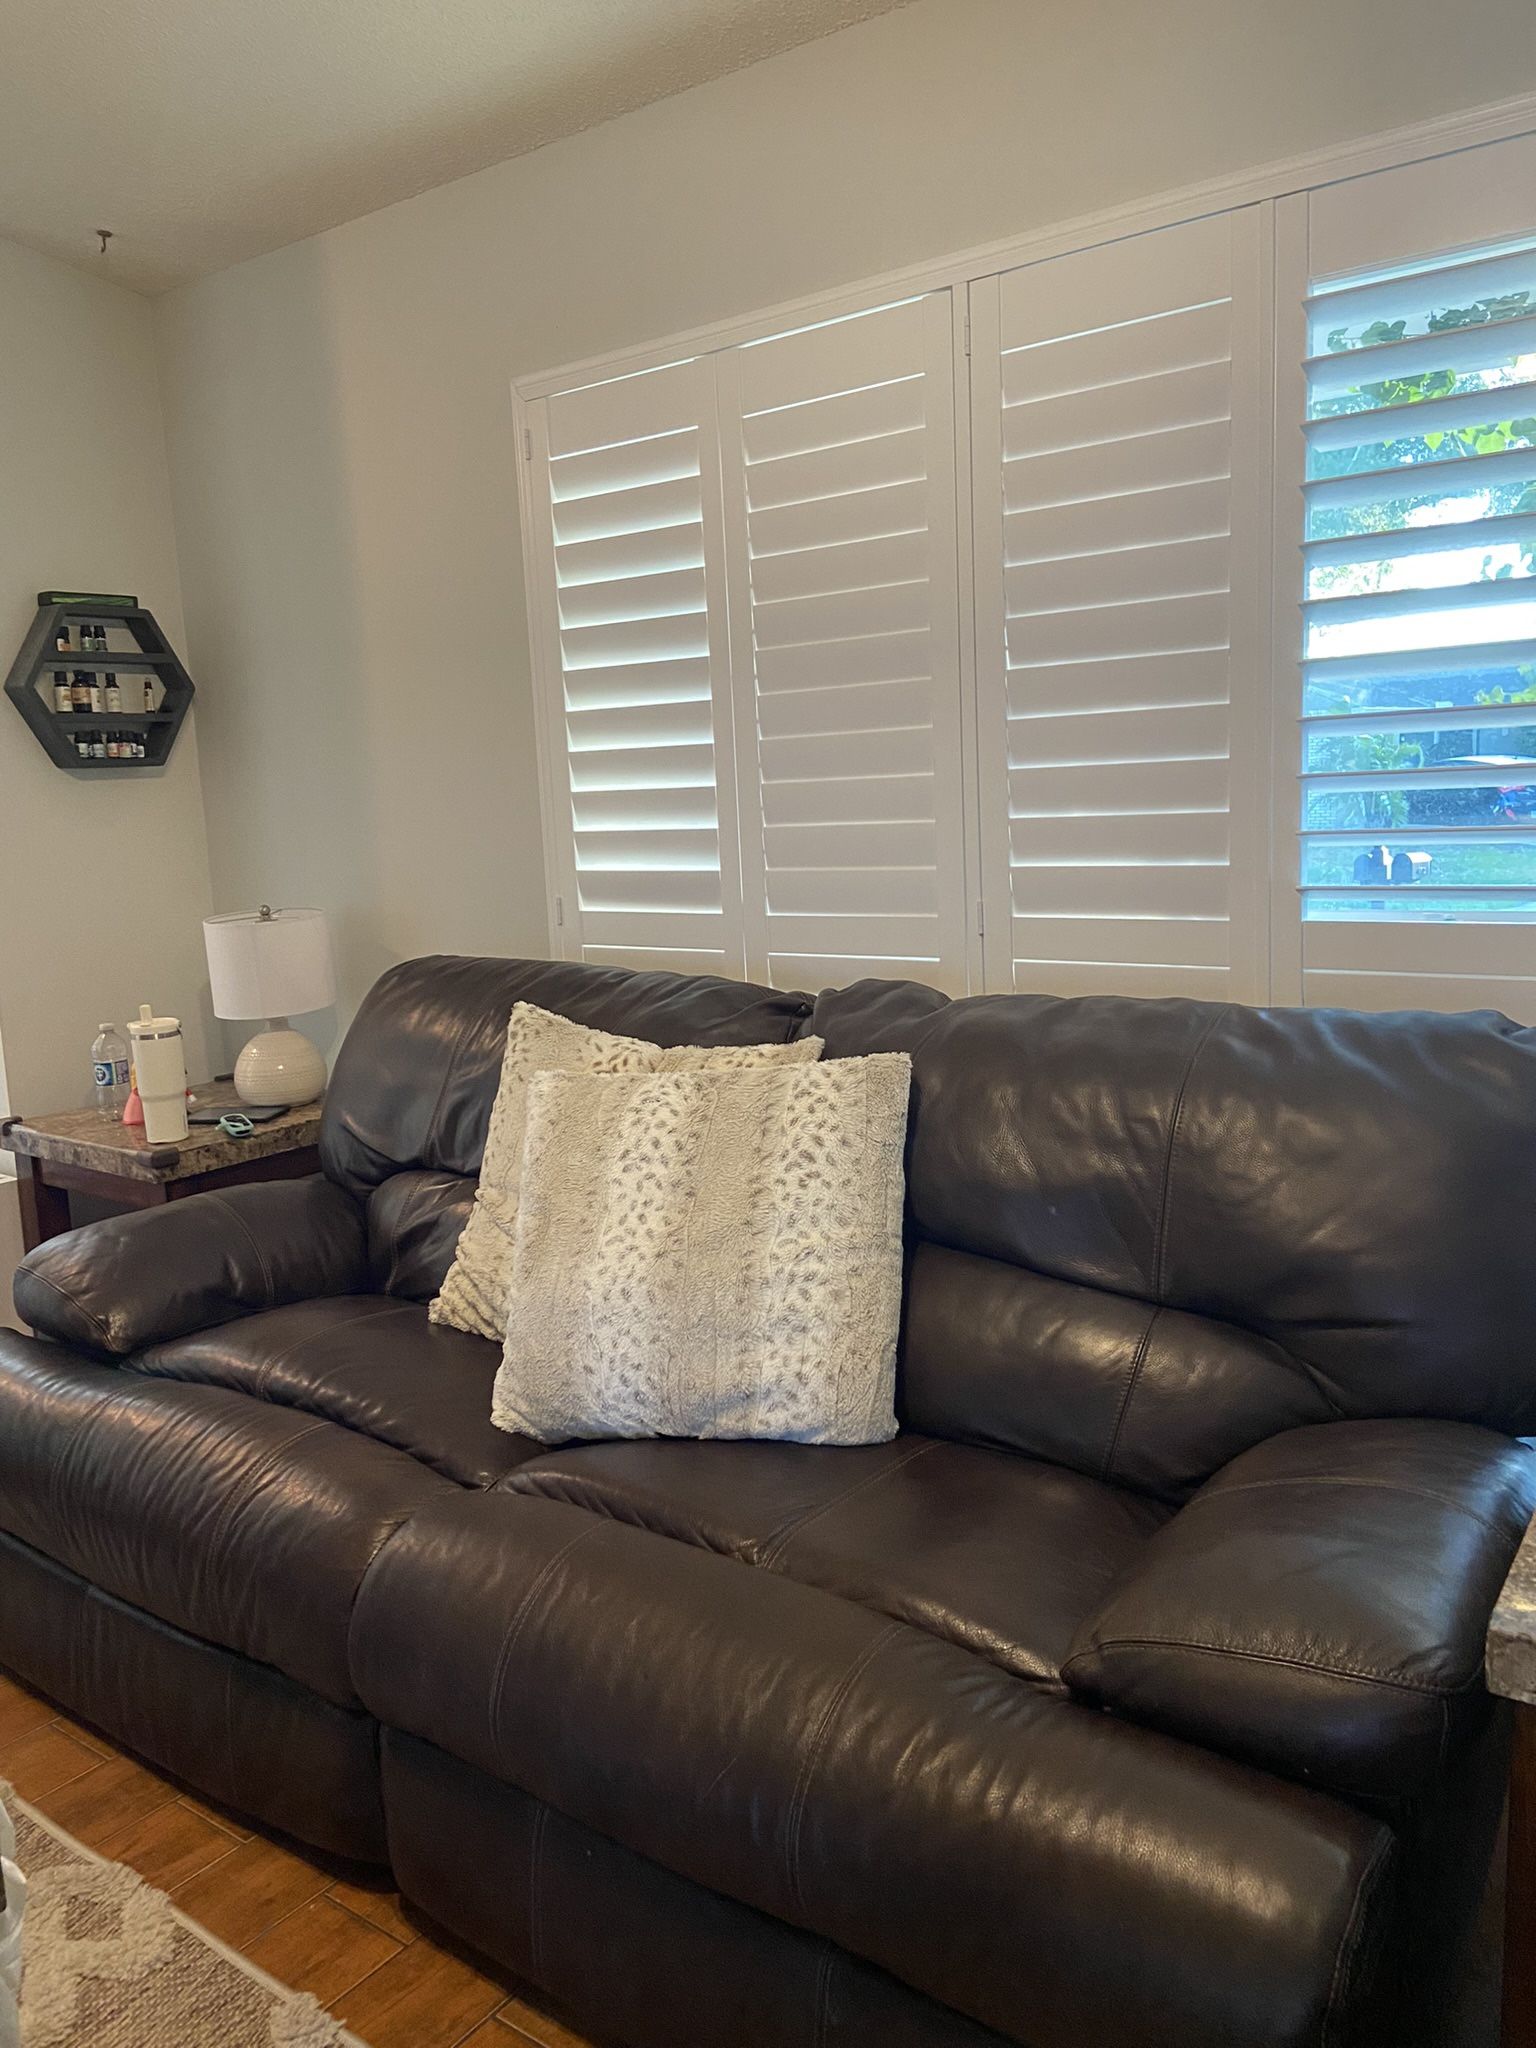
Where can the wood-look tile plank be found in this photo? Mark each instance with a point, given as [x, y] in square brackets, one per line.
[108, 1799]
[21, 1711]
[168, 1846]
[231, 1824]
[88, 1736]
[489, 2034]
[323, 1949]
[39, 1762]
[421, 1998]
[246, 1892]
[380, 1906]
[527, 2023]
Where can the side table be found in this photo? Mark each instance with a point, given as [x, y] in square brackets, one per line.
[1512, 1674]
[75, 1149]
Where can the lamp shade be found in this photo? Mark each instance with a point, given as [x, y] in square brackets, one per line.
[269, 963]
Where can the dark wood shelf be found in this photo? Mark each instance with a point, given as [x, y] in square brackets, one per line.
[30, 685]
[98, 663]
[88, 721]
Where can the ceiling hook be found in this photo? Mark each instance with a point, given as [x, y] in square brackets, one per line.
[106, 236]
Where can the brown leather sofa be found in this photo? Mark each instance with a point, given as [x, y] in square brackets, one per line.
[1131, 1698]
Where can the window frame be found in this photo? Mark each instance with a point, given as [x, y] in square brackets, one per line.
[1285, 196]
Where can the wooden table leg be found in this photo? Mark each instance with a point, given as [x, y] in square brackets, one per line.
[44, 1208]
[1520, 1891]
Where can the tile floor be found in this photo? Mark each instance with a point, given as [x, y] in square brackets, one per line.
[348, 1943]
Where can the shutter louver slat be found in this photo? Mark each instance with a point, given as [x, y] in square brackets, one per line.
[629, 506]
[839, 454]
[1106, 387]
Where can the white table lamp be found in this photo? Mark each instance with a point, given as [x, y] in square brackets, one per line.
[272, 964]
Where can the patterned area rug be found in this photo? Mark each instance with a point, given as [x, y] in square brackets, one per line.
[109, 1962]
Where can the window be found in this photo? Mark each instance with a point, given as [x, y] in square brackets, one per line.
[754, 632]
[635, 657]
[1419, 670]
[1117, 456]
[1157, 616]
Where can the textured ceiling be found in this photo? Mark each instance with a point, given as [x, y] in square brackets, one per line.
[205, 131]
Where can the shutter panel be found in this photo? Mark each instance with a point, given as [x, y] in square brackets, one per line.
[1115, 461]
[839, 482]
[1418, 769]
[626, 512]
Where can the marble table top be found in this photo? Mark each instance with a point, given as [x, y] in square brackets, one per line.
[1512, 1631]
[79, 1137]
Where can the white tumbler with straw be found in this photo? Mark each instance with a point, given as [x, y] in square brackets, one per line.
[160, 1070]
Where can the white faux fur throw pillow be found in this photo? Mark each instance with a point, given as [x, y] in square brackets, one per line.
[474, 1292]
[709, 1254]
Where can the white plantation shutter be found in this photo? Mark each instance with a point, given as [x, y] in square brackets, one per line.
[838, 465]
[1116, 464]
[1418, 762]
[625, 503]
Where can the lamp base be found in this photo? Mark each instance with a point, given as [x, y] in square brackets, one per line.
[280, 1065]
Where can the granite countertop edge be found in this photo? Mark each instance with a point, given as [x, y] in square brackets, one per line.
[1511, 1652]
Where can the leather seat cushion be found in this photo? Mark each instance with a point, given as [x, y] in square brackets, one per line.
[244, 1524]
[368, 1362]
[1041, 1867]
[1003, 1555]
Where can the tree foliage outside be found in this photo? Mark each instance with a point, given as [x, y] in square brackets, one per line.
[1431, 495]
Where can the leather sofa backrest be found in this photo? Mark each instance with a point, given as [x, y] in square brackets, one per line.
[1148, 1234]
[411, 1093]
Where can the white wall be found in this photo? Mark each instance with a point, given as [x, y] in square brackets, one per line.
[340, 437]
[104, 879]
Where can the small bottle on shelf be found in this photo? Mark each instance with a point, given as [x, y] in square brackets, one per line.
[80, 690]
[83, 745]
[63, 695]
[93, 689]
[111, 691]
[61, 641]
[98, 748]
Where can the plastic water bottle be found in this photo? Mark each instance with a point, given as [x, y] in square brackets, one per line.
[109, 1056]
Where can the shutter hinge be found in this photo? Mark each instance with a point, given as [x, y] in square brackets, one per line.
[967, 333]
[981, 919]
[559, 912]
[527, 444]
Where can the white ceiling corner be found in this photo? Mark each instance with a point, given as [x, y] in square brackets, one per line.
[203, 132]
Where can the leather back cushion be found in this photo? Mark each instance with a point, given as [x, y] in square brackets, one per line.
[1187, 1226]
[414, 1081]
[414, 1221]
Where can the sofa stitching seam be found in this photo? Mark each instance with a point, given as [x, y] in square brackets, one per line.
[801, 1795]
[448, 1073]
[1160, 1244]
[781, 1538]
[301, 1344]
[1347, 1479]
[1351, 1937]
[824, 1992]
[536, 1893]
[78, 1306]
[515, 1628]
[1121, 1412]
[268, 1280]
[258, 1478]
[1444, 1693]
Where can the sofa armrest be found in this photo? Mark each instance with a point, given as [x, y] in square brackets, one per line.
[140, 1279]
[1319, 1606]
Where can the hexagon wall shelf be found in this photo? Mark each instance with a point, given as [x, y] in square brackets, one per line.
[30, 682]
